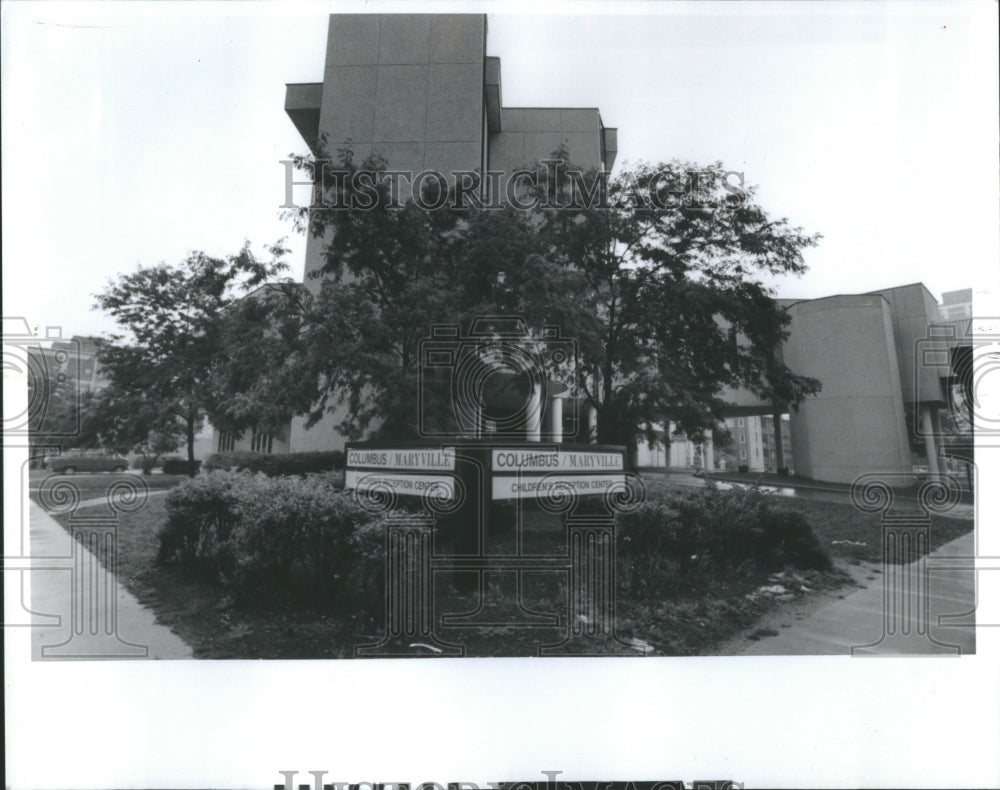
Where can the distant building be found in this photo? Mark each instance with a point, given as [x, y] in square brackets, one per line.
[682, 453]
[76, 359]
[747, 441]
[773, 461]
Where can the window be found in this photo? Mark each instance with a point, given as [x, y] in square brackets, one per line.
[743, 438]
[739, 422]
[261, 442]
[743, 455]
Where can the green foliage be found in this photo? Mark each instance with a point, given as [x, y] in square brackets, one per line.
[390, 275]
[673, 309]
[666, 302]
[676, 541]
[176, 333]
[277, 465]
[266, 539]
[129, 421]
[180, 466]
[61, 413]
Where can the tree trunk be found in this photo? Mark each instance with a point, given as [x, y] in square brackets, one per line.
[611, 429]
[190, 443]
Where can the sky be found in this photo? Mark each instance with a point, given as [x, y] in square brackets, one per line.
[133, 134]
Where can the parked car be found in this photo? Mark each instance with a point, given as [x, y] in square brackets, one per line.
[87, 461]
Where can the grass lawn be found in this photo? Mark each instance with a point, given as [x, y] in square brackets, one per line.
[690, 622]
[849, 534]
[93, 485]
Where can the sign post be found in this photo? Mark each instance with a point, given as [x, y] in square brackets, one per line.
[459, 481]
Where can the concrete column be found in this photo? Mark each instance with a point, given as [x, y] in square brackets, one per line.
[556, 419]
[709, 453]
[779, 449]
[591, 424]
[534, 421]
[930, 439]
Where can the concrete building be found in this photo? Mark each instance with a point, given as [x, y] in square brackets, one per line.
[775, 460]
[679, 453]
[420, 91]
[956, 305]
[747, 441]
[883, 371]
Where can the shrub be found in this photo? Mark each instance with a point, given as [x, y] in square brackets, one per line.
[180, 466]
[277, 465]
[265, 538]
[679, 540]
[201, 515]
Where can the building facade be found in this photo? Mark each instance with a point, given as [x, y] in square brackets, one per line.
[956, 305]
[884, 369]
[774, 460]
[420, 91]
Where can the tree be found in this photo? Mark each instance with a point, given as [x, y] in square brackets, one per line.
[132, 422]
[391, 274]
[61, 413]
[174, 319]
[675, 312]
[659, 284]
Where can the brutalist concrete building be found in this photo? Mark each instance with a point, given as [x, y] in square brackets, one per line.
[419, 90]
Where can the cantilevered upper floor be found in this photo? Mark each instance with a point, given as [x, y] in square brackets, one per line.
[419, 90]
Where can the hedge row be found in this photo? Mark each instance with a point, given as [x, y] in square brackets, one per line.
[680, 540]
[265, 538]
[180, 466]
[277, 465]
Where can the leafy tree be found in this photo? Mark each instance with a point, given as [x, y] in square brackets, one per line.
[392, 273]
[674, 311]
[661, 286]
[174, 317]
[130, 422]
[60, 414]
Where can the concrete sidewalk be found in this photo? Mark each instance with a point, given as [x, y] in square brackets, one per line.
[863, 623]
[79, 610]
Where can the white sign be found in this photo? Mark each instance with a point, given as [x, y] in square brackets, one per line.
[524, 460]
[442, 486]
[429, 458]
[530, 486]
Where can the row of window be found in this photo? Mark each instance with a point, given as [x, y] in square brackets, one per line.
[260, 443]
